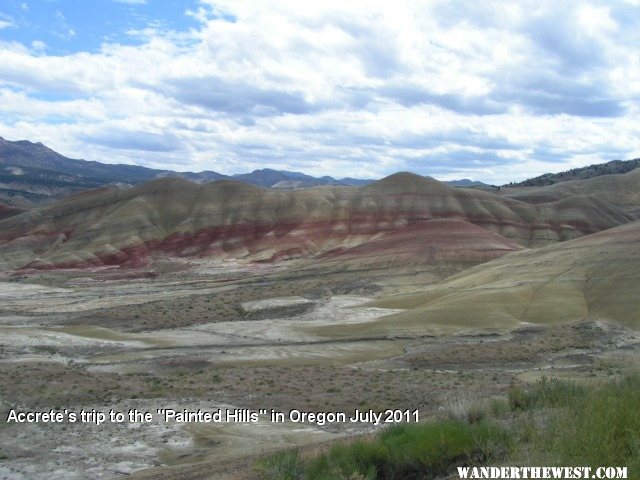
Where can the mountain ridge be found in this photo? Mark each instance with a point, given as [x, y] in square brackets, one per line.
[581, 173]
[32, 173]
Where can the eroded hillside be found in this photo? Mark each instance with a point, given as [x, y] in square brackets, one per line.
[231, 220]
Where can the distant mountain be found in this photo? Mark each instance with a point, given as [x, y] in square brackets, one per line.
[199, 177]
[466, 183]
[582, 173]
[37, 156]
[267, 177]
[33, 173]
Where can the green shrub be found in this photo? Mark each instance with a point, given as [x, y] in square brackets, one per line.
[600, 428]
[281, 466]
[433, 449]
[355, 460]
[467, 409]
[498, 407]
[551, 393]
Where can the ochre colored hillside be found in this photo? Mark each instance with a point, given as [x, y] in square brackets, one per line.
[595, 277]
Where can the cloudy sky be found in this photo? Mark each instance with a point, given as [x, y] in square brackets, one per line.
[493, 91]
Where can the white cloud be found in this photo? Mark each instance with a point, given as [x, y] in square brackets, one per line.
[495, 91]
[38, 45]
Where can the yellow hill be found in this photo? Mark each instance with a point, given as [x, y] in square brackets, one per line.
[595, 277]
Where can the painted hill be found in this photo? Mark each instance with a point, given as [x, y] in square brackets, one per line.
[424, 251]
[595, 277]
[7, 211]
[229, 219]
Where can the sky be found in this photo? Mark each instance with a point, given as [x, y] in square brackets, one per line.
[495, 91]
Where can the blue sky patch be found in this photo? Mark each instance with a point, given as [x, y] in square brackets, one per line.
[69, 26]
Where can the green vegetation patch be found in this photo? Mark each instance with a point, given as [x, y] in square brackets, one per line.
[552, 423]
[597, 426]
[399, 452]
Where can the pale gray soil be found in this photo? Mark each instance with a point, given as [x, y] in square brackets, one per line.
[205, 335]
